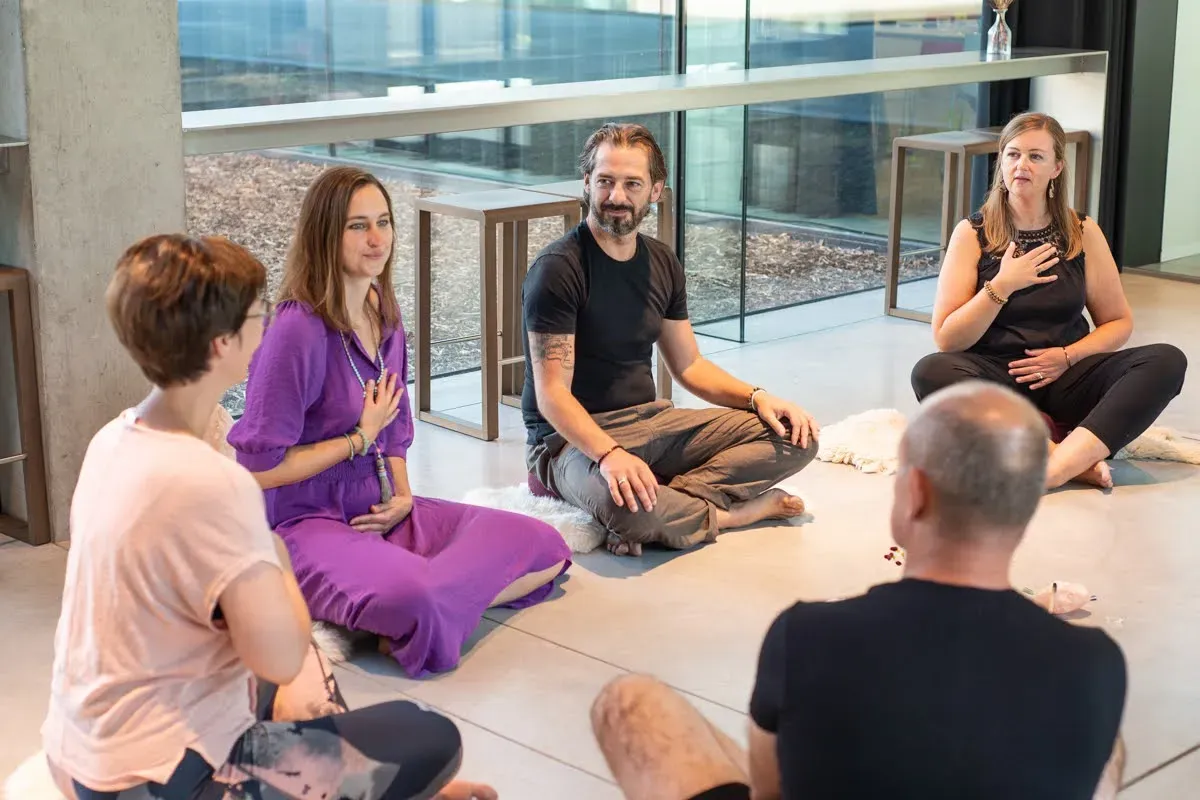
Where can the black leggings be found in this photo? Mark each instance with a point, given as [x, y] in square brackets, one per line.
[391, 751]
[1116, 396]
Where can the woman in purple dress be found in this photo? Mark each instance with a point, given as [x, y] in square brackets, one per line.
[326, 432]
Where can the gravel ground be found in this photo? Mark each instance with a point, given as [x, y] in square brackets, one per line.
[255, 200]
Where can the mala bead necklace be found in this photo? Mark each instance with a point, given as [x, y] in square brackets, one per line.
[385, 485]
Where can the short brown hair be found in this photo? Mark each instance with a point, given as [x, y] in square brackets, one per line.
[172, 294]
[625, 134]
[313, 274]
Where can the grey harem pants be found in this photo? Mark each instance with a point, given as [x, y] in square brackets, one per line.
[705, 460]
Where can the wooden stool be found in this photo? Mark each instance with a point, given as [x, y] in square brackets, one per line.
[666, 234]
[958, 147]
[15, 283]
[502, 350]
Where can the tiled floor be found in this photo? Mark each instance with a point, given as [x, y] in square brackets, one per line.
[522, 692]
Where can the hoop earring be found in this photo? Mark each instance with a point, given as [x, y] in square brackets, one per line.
[1052, 190]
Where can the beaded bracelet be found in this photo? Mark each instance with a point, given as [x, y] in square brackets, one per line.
[367, 442]
[608, 453]
[987, 287]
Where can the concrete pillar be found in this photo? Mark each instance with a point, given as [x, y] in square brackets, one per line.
[99, 104]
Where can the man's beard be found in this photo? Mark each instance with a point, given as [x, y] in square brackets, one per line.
[615, 225]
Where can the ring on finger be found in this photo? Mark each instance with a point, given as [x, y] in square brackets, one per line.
[622, 480]
[1041, 377]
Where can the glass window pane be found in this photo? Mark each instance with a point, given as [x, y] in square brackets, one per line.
[819, 171]
[262, 52]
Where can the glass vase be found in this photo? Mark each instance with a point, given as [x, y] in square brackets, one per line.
[999, 37]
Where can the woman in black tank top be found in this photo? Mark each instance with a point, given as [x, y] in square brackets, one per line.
[1014, 285]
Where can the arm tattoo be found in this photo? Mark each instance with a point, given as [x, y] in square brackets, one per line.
[554, 347]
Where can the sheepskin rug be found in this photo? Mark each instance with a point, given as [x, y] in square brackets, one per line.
[870, 442]
[577, 527]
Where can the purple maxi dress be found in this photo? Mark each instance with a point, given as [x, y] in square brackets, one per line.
[425, 585]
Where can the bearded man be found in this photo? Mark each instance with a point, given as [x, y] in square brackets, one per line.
[595, 303]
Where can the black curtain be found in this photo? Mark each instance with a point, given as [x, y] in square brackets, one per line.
[1077, 25]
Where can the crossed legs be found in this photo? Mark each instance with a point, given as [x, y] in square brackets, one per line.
[1108, 400]
[715, 467]
[1079, 457]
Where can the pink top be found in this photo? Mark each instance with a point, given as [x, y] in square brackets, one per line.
[161, 524]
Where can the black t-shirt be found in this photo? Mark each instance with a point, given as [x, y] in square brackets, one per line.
[614, 308]
[926, 690]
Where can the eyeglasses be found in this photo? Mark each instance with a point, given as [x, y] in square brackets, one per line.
[267, 314]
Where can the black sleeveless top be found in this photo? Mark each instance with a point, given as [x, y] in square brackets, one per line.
[1039, 316]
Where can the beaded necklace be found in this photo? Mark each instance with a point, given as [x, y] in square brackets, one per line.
[385, 485]
[1031, 240]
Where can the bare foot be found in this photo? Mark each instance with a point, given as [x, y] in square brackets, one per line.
[771, 504]
[619, 547]
[1099, 474]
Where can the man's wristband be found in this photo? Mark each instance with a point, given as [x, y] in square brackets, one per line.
[753, 392]
[608, 453]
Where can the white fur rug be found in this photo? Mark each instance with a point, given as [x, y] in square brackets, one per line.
[32, 781]
[581, 533]
[870, 441]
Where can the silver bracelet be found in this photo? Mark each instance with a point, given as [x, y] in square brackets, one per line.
[350, 442]
[753, 405]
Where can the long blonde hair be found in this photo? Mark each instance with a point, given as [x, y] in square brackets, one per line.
[998, 226]
[313, 274]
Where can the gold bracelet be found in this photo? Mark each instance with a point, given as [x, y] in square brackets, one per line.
[987, 287]
[1067, 356]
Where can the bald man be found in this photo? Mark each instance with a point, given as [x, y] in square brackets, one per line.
[946, 683]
